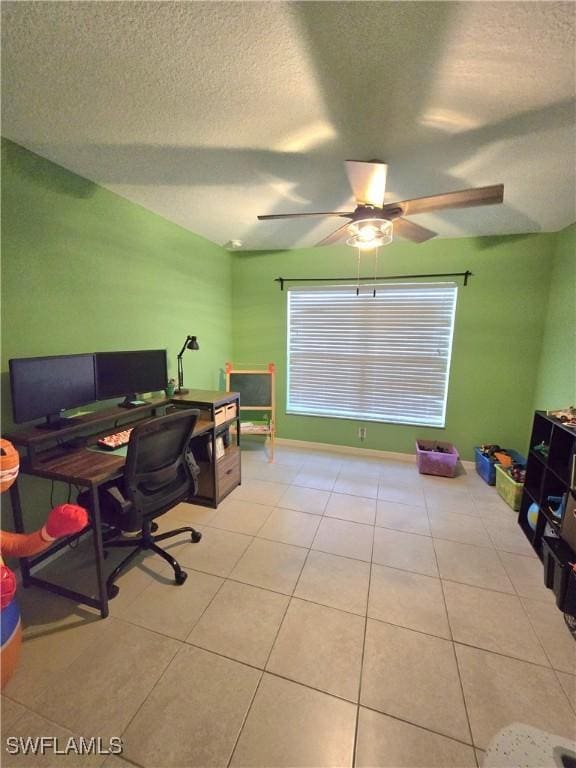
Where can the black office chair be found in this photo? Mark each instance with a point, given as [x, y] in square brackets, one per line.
[160, 472]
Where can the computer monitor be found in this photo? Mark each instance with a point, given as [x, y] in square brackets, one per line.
[125, 374]
[48, 386]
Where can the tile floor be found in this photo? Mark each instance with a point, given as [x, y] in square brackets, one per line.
[339, 611]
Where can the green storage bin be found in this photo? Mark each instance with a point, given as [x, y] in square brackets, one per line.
[509, 490]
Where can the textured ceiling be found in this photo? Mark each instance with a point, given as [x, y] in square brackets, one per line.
[212, 113]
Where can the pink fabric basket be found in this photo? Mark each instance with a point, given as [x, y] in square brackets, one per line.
[431, 462]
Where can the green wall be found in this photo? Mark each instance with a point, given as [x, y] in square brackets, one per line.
[498, 333]
[85, 270]
[556, 387]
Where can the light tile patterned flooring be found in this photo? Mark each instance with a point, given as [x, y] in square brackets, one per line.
[339, 611]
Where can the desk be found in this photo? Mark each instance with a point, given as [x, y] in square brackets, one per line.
[46, 456]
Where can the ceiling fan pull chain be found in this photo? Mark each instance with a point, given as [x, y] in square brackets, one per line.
[376, 252]
[358, 272]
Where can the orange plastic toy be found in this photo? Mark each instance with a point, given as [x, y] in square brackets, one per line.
[63, 520]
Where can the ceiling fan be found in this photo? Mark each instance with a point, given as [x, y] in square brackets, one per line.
[371, 223]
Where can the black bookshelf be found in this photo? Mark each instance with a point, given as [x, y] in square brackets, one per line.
[550, 485]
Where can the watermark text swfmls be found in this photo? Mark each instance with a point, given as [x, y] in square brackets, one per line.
[56, 745]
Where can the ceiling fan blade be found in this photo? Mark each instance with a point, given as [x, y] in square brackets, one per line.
[368, 181]
[464, 198]
[336, 236]
[410, 231]
[348, 214]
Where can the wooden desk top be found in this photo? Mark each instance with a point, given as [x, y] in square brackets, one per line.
[49, 458]
[205, 397]
[83, 466]
[33, 437]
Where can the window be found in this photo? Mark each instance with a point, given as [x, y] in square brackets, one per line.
[377, 358]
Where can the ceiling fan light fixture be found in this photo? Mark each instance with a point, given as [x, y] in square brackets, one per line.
[370, 233]
[368, 182]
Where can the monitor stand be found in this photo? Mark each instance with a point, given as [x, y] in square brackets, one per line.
[131, 401]
[57, 421]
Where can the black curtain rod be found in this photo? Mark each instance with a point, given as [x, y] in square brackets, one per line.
[367, 280]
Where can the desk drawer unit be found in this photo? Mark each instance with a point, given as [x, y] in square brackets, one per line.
[228, 472]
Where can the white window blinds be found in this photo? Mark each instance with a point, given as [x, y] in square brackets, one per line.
[377, 358]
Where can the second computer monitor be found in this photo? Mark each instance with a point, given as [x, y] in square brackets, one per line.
[126, 374]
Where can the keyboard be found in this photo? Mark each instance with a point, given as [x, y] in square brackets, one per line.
[117, 440]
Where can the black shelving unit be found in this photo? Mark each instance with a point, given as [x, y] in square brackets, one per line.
[550, 476]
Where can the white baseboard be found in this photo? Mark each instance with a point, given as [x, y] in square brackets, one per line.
[366, 452]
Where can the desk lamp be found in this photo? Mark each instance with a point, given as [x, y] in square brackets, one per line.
[190, 343]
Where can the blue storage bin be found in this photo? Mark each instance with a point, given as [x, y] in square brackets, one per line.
[486, 467]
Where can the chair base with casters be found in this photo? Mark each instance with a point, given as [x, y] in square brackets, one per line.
[145, 541]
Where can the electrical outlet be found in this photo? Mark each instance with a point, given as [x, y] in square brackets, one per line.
[362, 433]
